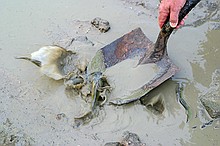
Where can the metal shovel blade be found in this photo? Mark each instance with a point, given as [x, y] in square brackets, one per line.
[133, 45]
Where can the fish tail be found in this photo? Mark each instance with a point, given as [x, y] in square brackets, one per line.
[36, 62]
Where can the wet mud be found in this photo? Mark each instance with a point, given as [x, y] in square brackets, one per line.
[37, 110]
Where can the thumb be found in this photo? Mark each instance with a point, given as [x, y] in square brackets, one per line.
[174, 17]
[174, 12]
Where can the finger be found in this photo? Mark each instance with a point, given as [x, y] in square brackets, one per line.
[180, 24]
[163, 13]
[185, 17]
[174, 16]
[174, 13]
[162, 18]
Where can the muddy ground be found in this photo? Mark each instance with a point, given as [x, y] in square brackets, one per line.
[36, 110]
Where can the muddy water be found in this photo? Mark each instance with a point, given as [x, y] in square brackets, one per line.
[38, 110]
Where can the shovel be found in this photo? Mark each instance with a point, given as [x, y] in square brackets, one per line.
[151, 63]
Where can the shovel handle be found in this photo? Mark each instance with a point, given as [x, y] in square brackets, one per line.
[189, 5]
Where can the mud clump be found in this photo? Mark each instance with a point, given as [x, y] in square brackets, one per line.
[212, 108]
[211, 99]
[129, 139]
[101, 24]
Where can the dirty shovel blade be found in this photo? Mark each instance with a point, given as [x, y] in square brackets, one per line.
[133, 45]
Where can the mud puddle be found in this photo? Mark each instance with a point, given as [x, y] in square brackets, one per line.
[36, 110]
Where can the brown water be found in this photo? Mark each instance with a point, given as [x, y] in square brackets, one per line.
[39, 110]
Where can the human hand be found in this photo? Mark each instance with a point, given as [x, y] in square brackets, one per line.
[170, 8]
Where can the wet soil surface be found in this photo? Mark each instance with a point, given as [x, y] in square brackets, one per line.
[36, 110]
